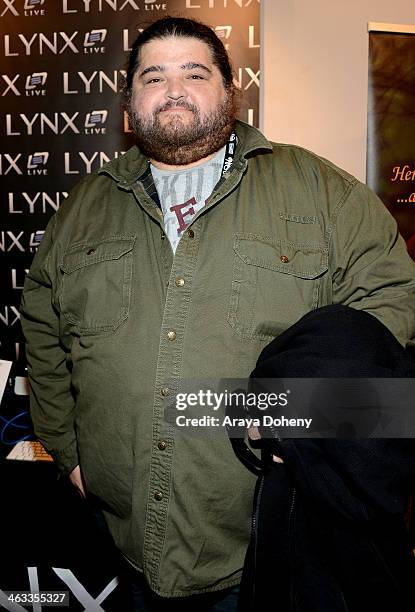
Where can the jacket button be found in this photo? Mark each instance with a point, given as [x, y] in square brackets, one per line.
[158, 496]
[171, 335]
[284, 259]
[163, 235]
[190, 233]
[180, 282]
[90, 252]
[165, 391]
[162, 445]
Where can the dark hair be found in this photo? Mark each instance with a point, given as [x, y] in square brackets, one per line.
[186, 28]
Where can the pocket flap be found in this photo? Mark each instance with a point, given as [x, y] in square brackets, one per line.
[305, 260]
[86, 254]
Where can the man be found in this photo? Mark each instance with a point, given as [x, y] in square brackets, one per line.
[181, 260]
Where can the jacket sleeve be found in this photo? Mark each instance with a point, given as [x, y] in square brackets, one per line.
[372, 270]
[51, 400]
[359, 480]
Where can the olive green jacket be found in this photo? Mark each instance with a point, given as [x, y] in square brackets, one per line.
[283, 232]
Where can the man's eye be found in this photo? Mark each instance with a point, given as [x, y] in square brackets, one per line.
[154, 80]
[196, 77]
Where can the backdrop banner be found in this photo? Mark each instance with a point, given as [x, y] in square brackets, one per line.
[391, 125]
[63, 65]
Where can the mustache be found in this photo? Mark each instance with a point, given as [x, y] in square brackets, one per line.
[179, 104]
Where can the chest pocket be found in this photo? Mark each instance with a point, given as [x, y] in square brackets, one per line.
[96, 284]
[275, 282]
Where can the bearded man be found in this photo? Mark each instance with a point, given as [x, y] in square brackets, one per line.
[179, 260]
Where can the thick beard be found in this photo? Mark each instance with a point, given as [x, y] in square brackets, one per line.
[179, 144]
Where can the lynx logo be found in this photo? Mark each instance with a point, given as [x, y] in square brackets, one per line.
[11, 164]
[93, 38]
[29, 4]
[35, 79]
[30, 8]
[9, 316]
[152, 5]
[40, 202]
[69, 6]
[220, 3]
[97, 80]
[9, 7]
[224, 33]
[56, 123]
[251, 38]
[34, 82]
[115, 5]
[37, 159]
[94, 120]
[88, 602]
[253, 78]
[80, 163]
[35, 240]
[18, 277]
[33, 165]
[9, 241]
[125, 38]
[55, 42]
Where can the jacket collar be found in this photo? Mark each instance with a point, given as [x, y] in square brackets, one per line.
[133, 165]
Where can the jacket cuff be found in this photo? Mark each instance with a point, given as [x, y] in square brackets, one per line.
[66, 459]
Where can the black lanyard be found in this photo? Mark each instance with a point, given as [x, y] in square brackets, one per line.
[229, 153]
[147, 178]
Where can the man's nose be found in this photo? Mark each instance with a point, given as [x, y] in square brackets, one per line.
[175, 89]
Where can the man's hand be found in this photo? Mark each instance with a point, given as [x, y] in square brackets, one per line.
[76, 479]
[253, 434]
[277, 459]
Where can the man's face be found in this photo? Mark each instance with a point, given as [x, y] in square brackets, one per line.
[180, 110]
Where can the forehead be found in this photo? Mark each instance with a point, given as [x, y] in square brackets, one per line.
[175, 50]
